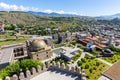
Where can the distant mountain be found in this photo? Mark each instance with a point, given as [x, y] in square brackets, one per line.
[109, 17]
[52, 14]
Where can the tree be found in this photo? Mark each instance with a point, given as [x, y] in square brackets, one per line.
[13, 69]
[79, 63]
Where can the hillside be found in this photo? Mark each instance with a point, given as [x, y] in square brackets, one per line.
[16, 17]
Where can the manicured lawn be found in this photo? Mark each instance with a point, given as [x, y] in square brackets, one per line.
[93, 67]
[113, 59]
[77, 56]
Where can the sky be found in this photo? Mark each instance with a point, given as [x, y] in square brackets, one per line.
[80, 7]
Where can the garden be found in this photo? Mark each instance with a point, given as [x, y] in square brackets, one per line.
[76, 57]
[114, 58]
[17, 67]
[57, 59]
[93, 67]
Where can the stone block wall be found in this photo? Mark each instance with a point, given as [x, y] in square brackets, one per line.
[36, 71]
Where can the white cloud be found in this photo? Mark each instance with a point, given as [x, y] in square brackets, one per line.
[8, 7]
[60, 11]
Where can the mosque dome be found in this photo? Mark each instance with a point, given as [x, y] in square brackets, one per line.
[38, 44]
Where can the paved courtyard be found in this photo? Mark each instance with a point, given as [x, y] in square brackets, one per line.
[56, 75]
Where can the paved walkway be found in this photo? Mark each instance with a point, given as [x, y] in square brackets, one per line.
[103, 78]
[82, 56]
[56, 75]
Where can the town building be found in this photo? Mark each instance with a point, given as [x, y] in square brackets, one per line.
[2, 27]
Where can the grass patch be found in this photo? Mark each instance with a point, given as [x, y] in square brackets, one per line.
[76, 57]
[7, 40]
[113, 59]
[93, 67]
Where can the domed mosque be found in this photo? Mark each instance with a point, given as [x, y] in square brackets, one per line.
[39, 50]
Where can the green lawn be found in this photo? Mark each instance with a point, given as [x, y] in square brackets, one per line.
[93, 67]
[11, 40]
[77, 56]
[113, 59]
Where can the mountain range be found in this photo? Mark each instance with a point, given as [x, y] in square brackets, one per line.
[109, 17]
[53, 14]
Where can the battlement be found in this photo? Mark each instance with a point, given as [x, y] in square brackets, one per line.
[54, 66]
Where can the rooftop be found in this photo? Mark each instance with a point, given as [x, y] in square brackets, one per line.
[6, 53]
[69, 51]
[113, 72]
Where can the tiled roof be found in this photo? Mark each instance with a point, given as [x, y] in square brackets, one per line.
[113, 72]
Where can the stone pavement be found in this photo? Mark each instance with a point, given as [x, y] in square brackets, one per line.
[103, 78]
[56, 75]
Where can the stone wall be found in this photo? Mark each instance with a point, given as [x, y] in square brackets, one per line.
[36, 71]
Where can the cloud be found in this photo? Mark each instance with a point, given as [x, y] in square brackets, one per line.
[8, 7]
[60, 12]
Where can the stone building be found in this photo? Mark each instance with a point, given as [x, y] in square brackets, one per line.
[38, 49]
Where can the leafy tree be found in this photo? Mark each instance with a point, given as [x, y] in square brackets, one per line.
[79, 63]
[13, 69]
[86, 66]
[29, 63]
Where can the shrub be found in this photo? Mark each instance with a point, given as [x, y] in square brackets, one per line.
[90, 70]
[83, 60]
[29, 63]
[97, 63]
[86, 66]
[79, 63]
[113, 48]
[13, 69]
[16, 67]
